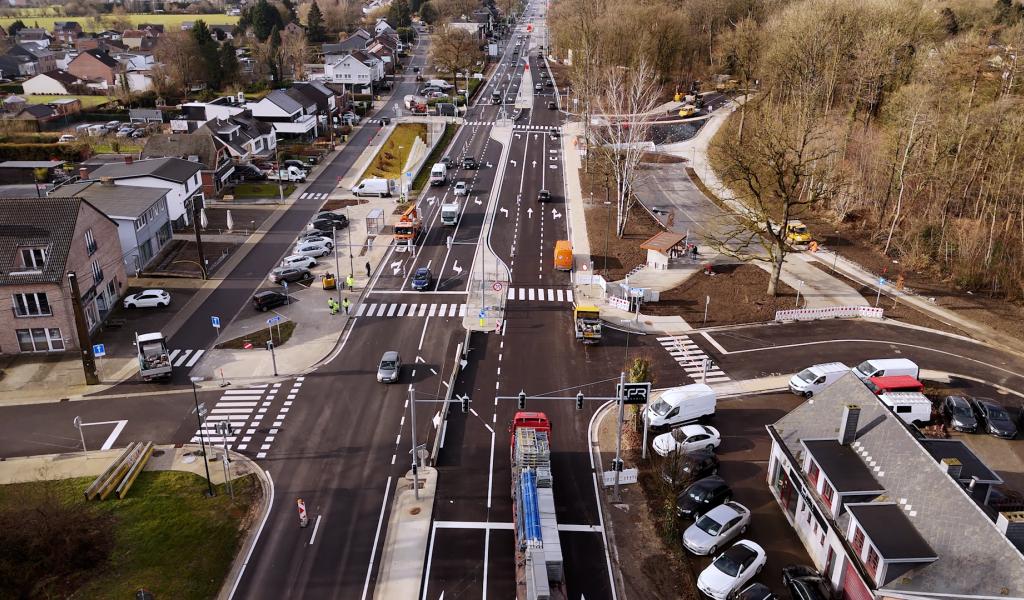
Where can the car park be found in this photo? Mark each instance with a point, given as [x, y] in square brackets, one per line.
[297, 260]
[314, 250]
[731, 570]
[389, 368]
[268, 299]
[805, 583]
[701, 496]
[543, 196]
[469, 163]
[715, 528]
[319, 240]
[687, 438]
[147, 299]
[290, 274]
[682, 468]
[995, 419]
[422, 278]
[461, 189]
[755, 591]
[959, 413]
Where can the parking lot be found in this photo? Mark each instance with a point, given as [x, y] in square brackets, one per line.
[118, 332]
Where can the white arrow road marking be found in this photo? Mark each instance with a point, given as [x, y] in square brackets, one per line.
[420, 359]
[529, 212]
[504, 210]
[457, 268]
[555, 214]
[513, 162]
[534, 164]
[396, 264]
[477, 201]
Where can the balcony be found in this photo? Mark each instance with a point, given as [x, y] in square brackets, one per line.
[301, 125]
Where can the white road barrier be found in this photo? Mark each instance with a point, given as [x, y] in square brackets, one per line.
[829, 312]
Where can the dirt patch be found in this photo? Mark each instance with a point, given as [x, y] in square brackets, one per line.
[342, 203]
[180, 258]
[258, 339]
[659, 158]
[615, 257]
[737, 295]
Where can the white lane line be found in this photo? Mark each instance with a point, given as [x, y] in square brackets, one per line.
[376, 538]
[316, 526]
[424, 333]
[430, 559]
[184, 356]
[490, 472]
[711, 341]
[107, 445]
[487, 551]
[259, 531]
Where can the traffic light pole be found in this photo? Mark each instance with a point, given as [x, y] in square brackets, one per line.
[464, 401]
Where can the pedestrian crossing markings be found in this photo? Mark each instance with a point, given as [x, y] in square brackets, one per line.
[691, 358]
[245, 409]
[187, 358]
[410, 310]
[540, 294]
[314, 196]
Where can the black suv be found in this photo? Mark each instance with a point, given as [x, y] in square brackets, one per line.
[805, 583]
[702, 496]
[678, 468]
[543, 196]
[469, 163]
[340, 219]
[264, 301]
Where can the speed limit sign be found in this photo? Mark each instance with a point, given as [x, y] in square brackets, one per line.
[497, 286]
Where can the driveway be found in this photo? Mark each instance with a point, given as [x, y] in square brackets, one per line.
[120, 340]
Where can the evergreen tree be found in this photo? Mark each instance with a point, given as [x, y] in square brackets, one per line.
[209, 54]
[315, 30]
[263, 18]
[274, 39]
[428, 14]
[399, 14]
[228, 64]
[15, 27]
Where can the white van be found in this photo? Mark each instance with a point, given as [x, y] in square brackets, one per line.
[438, 174]
[912, 407]
[375, 187]
[441, 83]
[885, 367]
[815, 378]
[681, 405]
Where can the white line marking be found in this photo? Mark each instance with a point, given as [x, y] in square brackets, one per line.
[711, 341]
[391, 310]
[430, 559]
[107, 445]
[182, 359]
[316, 526]
[568, 298]
[424, 333]
[376, 537]
[551, 295]
[490, 472]
[530, 293]
[359, 311]
[402, 309]
[256, 539]
[560, 296]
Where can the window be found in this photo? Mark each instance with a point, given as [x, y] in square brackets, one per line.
[31, 305]
[813, 474]
[828, 494]
[872, 563]
[858, 540]
[33, 258]
[40, 340]
[97, 272]
[90, 242]
[163, 234]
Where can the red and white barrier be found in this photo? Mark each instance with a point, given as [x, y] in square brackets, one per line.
[829, 312]
[303, 518]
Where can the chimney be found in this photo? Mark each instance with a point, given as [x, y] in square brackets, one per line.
[848, 424]
[106, 181]
[128, 159]
[83, 173]
[953, 466]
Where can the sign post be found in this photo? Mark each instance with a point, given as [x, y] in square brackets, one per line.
[224, 430]
[215, 322]
[99, 350]
[637, 393]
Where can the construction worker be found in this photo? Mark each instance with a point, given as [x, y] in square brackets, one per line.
[346, 305]
[333, 305]
[350, 281]
[367, 269]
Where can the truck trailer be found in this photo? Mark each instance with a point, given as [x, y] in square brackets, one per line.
[154, 360]
[587, 324]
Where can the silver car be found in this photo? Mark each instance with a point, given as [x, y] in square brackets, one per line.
[716, 528]
[389, 368]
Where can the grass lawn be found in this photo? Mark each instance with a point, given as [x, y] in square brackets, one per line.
[392, 155]
[260, 190]
[259, 338]
[169, 538]
[166, 20]
[87, 101]
[116, 146]
[446, 138]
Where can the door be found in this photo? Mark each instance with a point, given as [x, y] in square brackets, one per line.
[853, 586]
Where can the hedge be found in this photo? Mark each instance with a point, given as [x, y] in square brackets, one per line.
[65, 152]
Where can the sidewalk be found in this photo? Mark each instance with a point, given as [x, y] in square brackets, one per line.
[405, 545]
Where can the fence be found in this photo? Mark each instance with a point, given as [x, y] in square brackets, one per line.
[829, 312]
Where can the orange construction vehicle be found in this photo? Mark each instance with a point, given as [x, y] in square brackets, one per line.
[408, 226]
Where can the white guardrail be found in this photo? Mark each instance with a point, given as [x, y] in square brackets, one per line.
[829, 312]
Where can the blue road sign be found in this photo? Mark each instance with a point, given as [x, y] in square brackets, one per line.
[273, 320]
[99, 350]
[215, 321]
[483, 313]
[881, 281]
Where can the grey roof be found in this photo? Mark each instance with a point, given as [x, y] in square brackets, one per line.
[891, 532]
[170, 169]
[31, 164]
[146, 113]
[63, 77]
[283, 100]
[971, 465]
[304, 100]
[104, 57]
[115, 201]
[48, 222]
[183, 145]
[843, 467]
[971, 550]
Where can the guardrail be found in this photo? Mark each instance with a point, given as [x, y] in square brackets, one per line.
[461, 351]
[829, 312]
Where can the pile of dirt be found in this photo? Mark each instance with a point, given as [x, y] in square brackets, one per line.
[737, 294]
[613, 256]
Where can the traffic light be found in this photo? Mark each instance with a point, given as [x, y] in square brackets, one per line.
[579, 401]
[522, 400]
[465, 403]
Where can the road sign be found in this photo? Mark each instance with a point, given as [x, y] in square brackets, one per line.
[273, 320]
[626, 476]
[634, 393]
[202, 409]
[99, 350]
[215, 321]
[483, 313]
[881, 281]
[496, 287]
[285, 284]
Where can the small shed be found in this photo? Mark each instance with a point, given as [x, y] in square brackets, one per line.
[663, 247]
[24, 171]
[375, 222]
[145, 115]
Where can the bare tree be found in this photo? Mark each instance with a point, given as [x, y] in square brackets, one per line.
[182, 62]
[623, 125]
[454, 50]
[294, 52]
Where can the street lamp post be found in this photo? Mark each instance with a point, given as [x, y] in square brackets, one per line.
[351, 264]
[607, 231]
[202, 434]
[337, 269]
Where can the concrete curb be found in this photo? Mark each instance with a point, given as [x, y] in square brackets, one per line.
[405, 547]
[234, 576]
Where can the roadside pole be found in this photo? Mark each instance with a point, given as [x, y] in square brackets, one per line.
[643, 452]
[351, 264]
[202, 434]
[337, 268]
[415, 459]
[273, 357]
[707, 302]
[618, 437]
[224, 429]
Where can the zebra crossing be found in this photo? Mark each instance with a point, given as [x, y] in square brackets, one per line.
[539, 294]
[691, 358]
[246, 408]
[185, 358]
[314, 195]
[396, 309]
[526, 127]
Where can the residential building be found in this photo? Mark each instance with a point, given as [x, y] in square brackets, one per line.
[143, 223]
[289, 112]
[883, 513]
[12, 66]
[356, 41]
[243, 137]
[96, 65]
[41, 241]
[55, 82]
[43, 58]
[39, 113]
[358, 71]
[325, 99]
[66, 32]
[35, 35]
[382, 27]
[199, 146]
[180, 177]
[145, 115]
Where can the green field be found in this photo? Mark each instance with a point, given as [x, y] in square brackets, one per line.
[87, 23]
[87, 101]
[391, 157]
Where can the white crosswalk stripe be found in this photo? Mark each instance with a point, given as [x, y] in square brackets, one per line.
[395, 310]
[691, 358]
[185, 358]
[540, 294]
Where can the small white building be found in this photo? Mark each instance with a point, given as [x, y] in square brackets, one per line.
[60, 83]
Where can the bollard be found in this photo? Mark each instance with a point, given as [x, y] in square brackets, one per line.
[303, 519]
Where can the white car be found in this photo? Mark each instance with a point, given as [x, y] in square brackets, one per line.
[148, 299]
[317, 239]
[461, 189]
[731, 570]
[716, 527]
[314, 250]
[298, 260]
[687, 438]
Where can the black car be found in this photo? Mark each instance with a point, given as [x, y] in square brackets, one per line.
[959, 414]
[470, 163]
[298, 164]
[341, 220]
[996, 420]
[249, 173]
[755, 591]
[805, 583]
[680, 468]
[543, 196]
[264, 301]
[702, 496]
[552, 105]
[326, 225]
[447, 162]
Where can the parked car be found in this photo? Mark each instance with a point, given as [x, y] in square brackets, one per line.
[138, 133]
[543, 196]
[682, 468]
[389, 368]
[298, 164]
[470, 163]
[325, 226]
[249, 173]
[755, 591]
[340, 219]
[311, 234]
[290, 274]
[461, 189]
[805, 583]
[701, 496]
[66, 138]
[447, 162]
[317, 239]
[996, 420]
[297, 260]
[893, 383]
[960, 414]
[538, 88]
[687, 439]
[421, 279]
[314, 250]
[148, 299]
[555, 134]
[732, 569]
[716, 528]
[266, 300]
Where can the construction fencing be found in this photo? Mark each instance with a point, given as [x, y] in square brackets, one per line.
[829, 312]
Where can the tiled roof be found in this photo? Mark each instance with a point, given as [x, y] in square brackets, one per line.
[170, 169]
[103, 57]
[46, 222]
[115, 201]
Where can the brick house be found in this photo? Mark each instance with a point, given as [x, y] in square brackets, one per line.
[95, 65]
[41, 241]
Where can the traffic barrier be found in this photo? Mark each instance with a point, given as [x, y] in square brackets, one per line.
[829, 312]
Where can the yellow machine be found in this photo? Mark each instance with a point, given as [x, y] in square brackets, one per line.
[329, 281]
[688, 110]
[587, 324]
[797, 233]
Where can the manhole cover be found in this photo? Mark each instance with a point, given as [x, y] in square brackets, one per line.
[415, 511]
[158, 453]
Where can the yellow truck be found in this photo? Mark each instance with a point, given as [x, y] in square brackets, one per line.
[587, 324]
[687, 110]
[797, 233]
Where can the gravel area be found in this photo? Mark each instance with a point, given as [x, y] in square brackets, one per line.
[737, 295]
